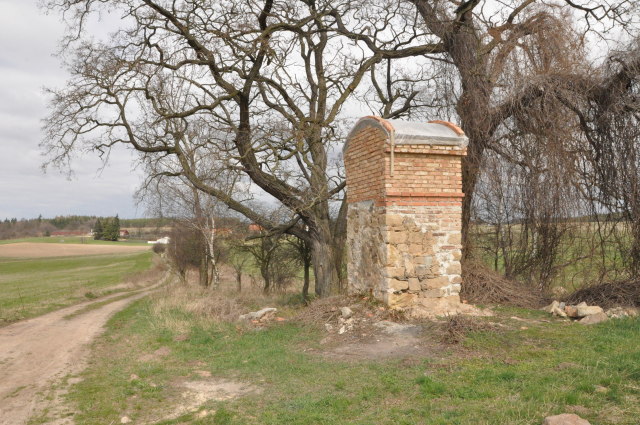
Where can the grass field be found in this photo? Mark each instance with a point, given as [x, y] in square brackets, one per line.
[33, 286]
[72, 240]
[43, 250]
[518, 374]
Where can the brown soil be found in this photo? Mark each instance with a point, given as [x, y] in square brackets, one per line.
[375, 332]
[38, 353]
[43, 250]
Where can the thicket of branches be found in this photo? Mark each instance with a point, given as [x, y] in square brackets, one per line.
[564, 207]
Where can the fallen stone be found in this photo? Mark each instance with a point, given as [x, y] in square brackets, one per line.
[260, 315]
[621, 312]
[346, 312]
[584, 311]
[551, 307]
[565, 419]
[616, 313]
[592, 319]
[571, 311]
[125, 420]
[559, 312]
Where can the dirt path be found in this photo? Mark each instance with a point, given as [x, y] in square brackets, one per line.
[36, 353]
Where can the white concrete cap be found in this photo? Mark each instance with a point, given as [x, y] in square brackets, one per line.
[414, 133]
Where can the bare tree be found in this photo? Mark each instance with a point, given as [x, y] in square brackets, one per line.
[196, 212]
[265, 84]
[611, 167]
[303, 258]
[506, 56]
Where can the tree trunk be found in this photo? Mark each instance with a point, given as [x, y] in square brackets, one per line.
[305, 287]
[204, 272]
[339, 245]
[264, 271]
[469, 179]
[239, 281]
[323, 259]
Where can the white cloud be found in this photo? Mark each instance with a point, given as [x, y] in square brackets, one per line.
[28, 40]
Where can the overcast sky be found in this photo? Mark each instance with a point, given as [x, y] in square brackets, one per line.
[28, 40]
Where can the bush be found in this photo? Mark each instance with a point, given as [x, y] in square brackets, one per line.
[159, 248]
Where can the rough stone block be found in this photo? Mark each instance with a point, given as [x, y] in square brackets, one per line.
[402, 300]
[409, 266]
[435, 293]
[414, 284]
[454, 239]
[394, 272]
[434, 283]
[394, 220]
[397, 237]
[398, 285]
[416, 249]
[394, 256]
[416, 237]
[454, 268]
[424, 272]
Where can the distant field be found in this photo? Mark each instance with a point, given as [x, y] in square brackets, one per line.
[72, 240]
[34, 286]
[43, 250]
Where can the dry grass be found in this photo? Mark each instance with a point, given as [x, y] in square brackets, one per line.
[202, 305]
[206, 306]
[485, 286]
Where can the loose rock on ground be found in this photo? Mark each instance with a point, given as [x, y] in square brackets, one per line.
[586, 314]
[260, 315]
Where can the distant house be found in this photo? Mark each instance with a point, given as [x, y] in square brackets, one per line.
[162, 241]
[124, 233]
[255, 228]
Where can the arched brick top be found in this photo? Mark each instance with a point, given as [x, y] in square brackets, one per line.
[409, 133]
[451, 125]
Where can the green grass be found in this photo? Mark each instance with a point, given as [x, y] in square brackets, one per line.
[30, 287]
[73, 240]
[514, 377]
